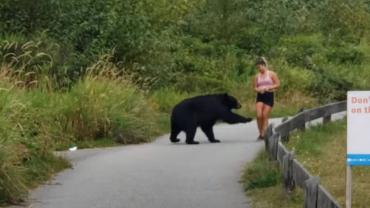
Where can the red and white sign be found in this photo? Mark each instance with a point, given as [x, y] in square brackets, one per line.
[358, 127]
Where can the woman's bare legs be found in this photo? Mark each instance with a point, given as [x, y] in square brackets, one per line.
[266, 110]
[260, 121]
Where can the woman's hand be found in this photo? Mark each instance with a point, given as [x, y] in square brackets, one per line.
[261, 90]
[271, 89]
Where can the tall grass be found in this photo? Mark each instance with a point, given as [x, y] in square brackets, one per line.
[22, 143]
[11, 149]
[168, 97]
[35, 121]
[261, 174]
[12, 184]
[97, 107]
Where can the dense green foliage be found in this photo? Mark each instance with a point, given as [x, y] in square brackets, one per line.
[78, 70]
[198, 45]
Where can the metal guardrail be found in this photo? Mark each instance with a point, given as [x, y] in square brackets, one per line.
[294, 174]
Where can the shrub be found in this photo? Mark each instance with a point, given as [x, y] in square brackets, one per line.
[345, 55]
[298, 50]
[330, 83]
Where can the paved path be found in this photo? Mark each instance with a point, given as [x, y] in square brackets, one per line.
[157, 174]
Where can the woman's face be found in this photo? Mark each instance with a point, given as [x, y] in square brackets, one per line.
[261, 68]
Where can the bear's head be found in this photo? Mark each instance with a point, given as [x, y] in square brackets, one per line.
[230, 101]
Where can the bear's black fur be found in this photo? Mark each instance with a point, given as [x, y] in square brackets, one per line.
[203, 111]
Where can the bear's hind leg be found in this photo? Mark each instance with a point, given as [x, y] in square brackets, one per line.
[208, 130]
[174, 132]
[190, 133]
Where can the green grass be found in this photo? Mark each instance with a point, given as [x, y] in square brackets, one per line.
[312, 141]
[322, 150]
[22, 169]
[261, 174]
[41, 168]
[262, 181]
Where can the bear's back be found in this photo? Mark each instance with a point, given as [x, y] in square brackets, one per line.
[203, 104]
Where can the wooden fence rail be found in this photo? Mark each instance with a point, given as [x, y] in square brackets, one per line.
[294, 174]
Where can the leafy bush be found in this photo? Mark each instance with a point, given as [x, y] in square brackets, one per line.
[344, 20]
[292, 78]
[330, 83]
[299, 50]
[345, 55]
[22, 16]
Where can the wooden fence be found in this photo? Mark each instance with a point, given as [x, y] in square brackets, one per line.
[294, 174]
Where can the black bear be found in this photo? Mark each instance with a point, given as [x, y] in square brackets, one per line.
[203, 111]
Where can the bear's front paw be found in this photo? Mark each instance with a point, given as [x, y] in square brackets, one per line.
[248, 120]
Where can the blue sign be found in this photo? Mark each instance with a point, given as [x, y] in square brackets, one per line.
[358, 160]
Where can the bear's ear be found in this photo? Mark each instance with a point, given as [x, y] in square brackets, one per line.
[224, 96]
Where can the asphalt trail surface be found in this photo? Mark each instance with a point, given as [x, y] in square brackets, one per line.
[158, 174]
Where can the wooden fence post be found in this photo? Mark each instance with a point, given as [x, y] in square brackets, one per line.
[311, 192]
[273, 142]
[302, 121]
[268, 134]
[289, 183]
[326, 119]
[286, 137]
[325, 200]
